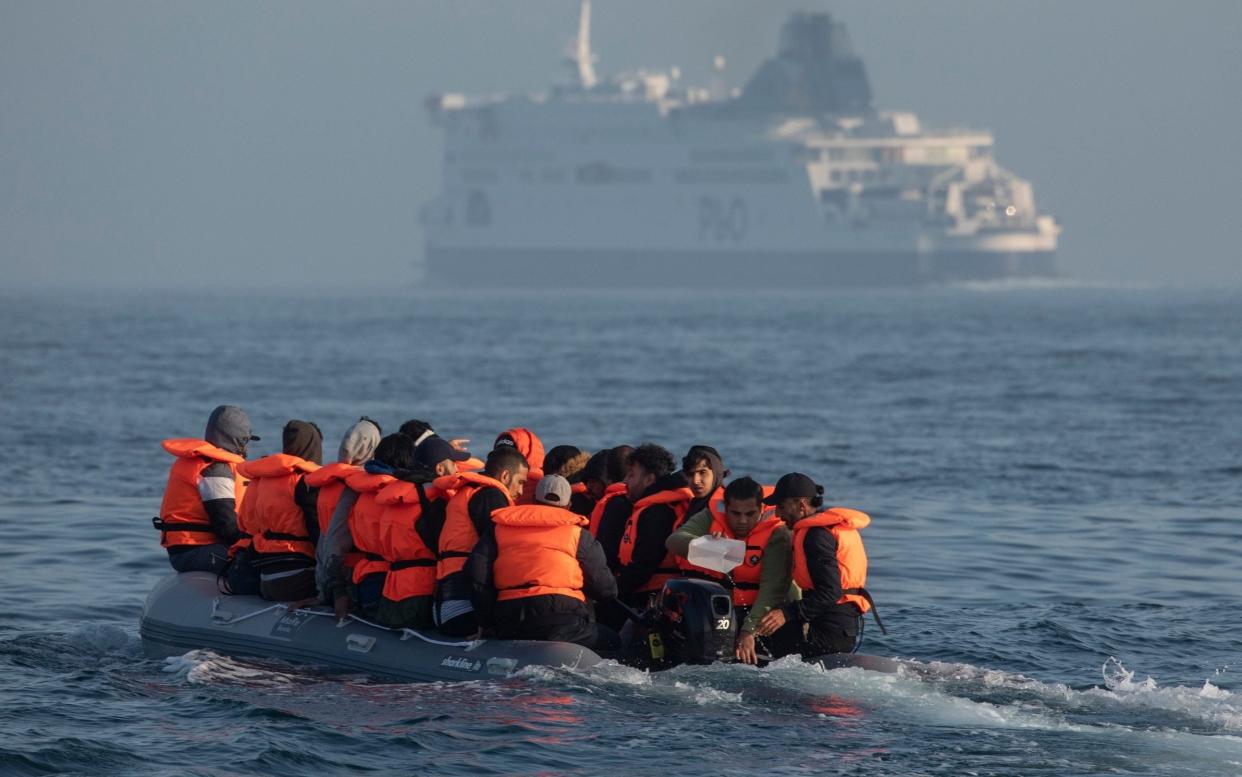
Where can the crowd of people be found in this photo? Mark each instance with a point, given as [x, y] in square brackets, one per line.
[412, 531]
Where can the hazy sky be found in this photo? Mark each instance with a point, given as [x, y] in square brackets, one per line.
[285, 142]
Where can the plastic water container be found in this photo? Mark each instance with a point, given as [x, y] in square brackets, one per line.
[716, 554]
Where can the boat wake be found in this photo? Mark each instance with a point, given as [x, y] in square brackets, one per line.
[203, 667]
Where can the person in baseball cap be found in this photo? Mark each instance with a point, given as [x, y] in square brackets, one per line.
[537, 568]
[795, 485]
[829, 565]
[438, 454]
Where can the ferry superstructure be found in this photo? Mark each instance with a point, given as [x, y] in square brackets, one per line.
[793, 180]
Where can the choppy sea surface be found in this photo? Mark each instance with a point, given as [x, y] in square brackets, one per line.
[1054, 474]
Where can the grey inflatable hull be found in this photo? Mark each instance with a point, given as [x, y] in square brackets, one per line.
[186, 612]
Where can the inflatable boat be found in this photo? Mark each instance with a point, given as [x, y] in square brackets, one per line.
[187, 611]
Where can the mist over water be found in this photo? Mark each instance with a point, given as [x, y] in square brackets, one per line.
[1054, 474]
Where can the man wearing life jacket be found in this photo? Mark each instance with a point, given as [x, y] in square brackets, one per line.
[410, 526]
[531, 448]
[829, 565]
[613, 509]
[198, 515]
[335, 544]
[608, 519]
[539, 566]
[705, 472]
[661, 498]
[761, 582]
[280, 513]
[468, 516]
[359, 510]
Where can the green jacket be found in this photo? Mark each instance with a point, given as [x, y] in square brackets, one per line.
[775, 576]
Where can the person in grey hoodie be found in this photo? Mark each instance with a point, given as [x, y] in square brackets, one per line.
[357, 447]
[198, 515]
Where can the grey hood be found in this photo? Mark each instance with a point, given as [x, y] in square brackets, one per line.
[359, 442]
[229, 428]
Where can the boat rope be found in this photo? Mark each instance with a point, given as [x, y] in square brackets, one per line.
[228, 619]
[407, 633]
[225, 618]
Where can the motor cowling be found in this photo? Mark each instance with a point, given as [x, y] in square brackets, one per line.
[696, 621]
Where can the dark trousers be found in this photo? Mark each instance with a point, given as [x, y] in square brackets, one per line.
[411, 613]
[785, 641]
[368, 593]
[286, 577]
[552, 618]
[830, 635]
[243, 575]
[199, 558]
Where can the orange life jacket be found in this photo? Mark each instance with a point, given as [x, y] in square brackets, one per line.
[537, 552]
[330, 480]
[458, 536]
[679, 500]
[364, 523]
[270, 514]
[597, 513]
[412, 565]
[844, 524]
[745, 576]
[182, 519]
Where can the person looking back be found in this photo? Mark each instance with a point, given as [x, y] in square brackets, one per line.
[530, 446]
[468, 516]
[198, 514]
[540, 565]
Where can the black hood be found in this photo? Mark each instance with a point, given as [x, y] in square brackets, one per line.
[669, 482]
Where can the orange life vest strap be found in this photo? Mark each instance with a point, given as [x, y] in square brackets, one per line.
[397, 566]
[161, 526]
[279, 535]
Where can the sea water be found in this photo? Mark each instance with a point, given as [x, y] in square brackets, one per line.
[1054, 474]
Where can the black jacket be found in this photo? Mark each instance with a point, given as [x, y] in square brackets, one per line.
[658, 521]
[820, 602]
[611, 527]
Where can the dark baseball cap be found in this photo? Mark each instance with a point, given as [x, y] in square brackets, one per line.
[436, 449]
[794, 484]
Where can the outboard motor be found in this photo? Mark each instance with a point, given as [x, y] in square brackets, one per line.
[696, 622]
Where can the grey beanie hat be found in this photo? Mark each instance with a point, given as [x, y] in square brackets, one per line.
[359, 443]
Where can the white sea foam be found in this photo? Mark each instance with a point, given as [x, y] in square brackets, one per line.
[1206, 706]
[203, 667]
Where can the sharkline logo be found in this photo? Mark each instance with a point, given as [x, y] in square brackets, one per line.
[462, 663]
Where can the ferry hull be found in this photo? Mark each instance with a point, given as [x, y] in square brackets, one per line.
[560, 268]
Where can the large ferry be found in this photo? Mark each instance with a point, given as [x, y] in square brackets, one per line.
[795, 179]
